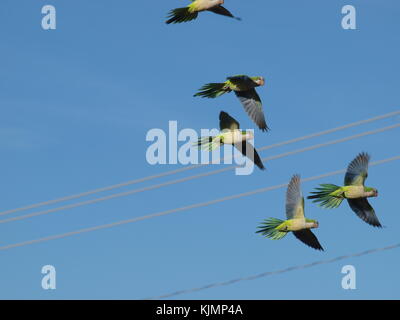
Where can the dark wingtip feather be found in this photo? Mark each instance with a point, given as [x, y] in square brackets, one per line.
[308, 238]
[318, 248]
[223, 114]
[261, 166]
[375, 225]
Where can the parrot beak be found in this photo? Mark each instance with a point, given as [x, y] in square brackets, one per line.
[261, 81]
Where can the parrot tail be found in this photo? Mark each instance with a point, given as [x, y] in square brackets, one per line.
[270, 229]
[328, 195]
[212, 90]
[208, 143]
[181, 15]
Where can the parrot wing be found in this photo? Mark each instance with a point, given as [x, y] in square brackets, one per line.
[223, 11]
[227, 122]
[294, 199]
[357, 171]
[252, 104]
[308, 237]
[364, 210]
[240, 80]
[248, 151]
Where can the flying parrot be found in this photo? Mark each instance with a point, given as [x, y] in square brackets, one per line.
[354, 190]
[244, 88]
[296, 222]
[191, 12]
[230, 133]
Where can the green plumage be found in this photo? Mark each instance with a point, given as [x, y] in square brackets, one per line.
[181, 15]
[269, 229]
[212, 90]
[328, 196]
[208, 143]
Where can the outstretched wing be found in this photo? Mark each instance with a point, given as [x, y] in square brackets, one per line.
[357, 171]
[227, 122]
[248, 151]
[364, 210]
[223, 11]
[241, 80]
[306, 236]
[252, 104]
[294, 199]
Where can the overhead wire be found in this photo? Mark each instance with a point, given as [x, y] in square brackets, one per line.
[187, 168]
[276, 272]
[185, 179]
[181, 209]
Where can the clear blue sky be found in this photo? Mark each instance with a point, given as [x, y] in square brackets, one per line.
[77, 102]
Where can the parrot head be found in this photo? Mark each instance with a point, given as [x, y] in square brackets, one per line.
[314, 224]
[260, 81]
[372, 192]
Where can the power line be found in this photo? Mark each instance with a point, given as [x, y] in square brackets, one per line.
[168, 212]
[210, 173]
[270, 273]
[180, 170]
[322, 133]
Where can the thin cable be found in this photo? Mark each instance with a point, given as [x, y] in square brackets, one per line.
[172, 172]
[322, 133]
[202, 175]
[168, 212]
[270, 273]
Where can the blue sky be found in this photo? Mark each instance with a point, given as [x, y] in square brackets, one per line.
[77, 103]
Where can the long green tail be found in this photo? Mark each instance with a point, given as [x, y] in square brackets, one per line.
[208, 143]
[212, 90]
[181, 15]
[326, 197]
[269, 229]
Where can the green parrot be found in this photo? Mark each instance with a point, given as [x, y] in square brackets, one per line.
[191, 12]
[231, 134]
[296, 222]
[244, 88]
[331, 196]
